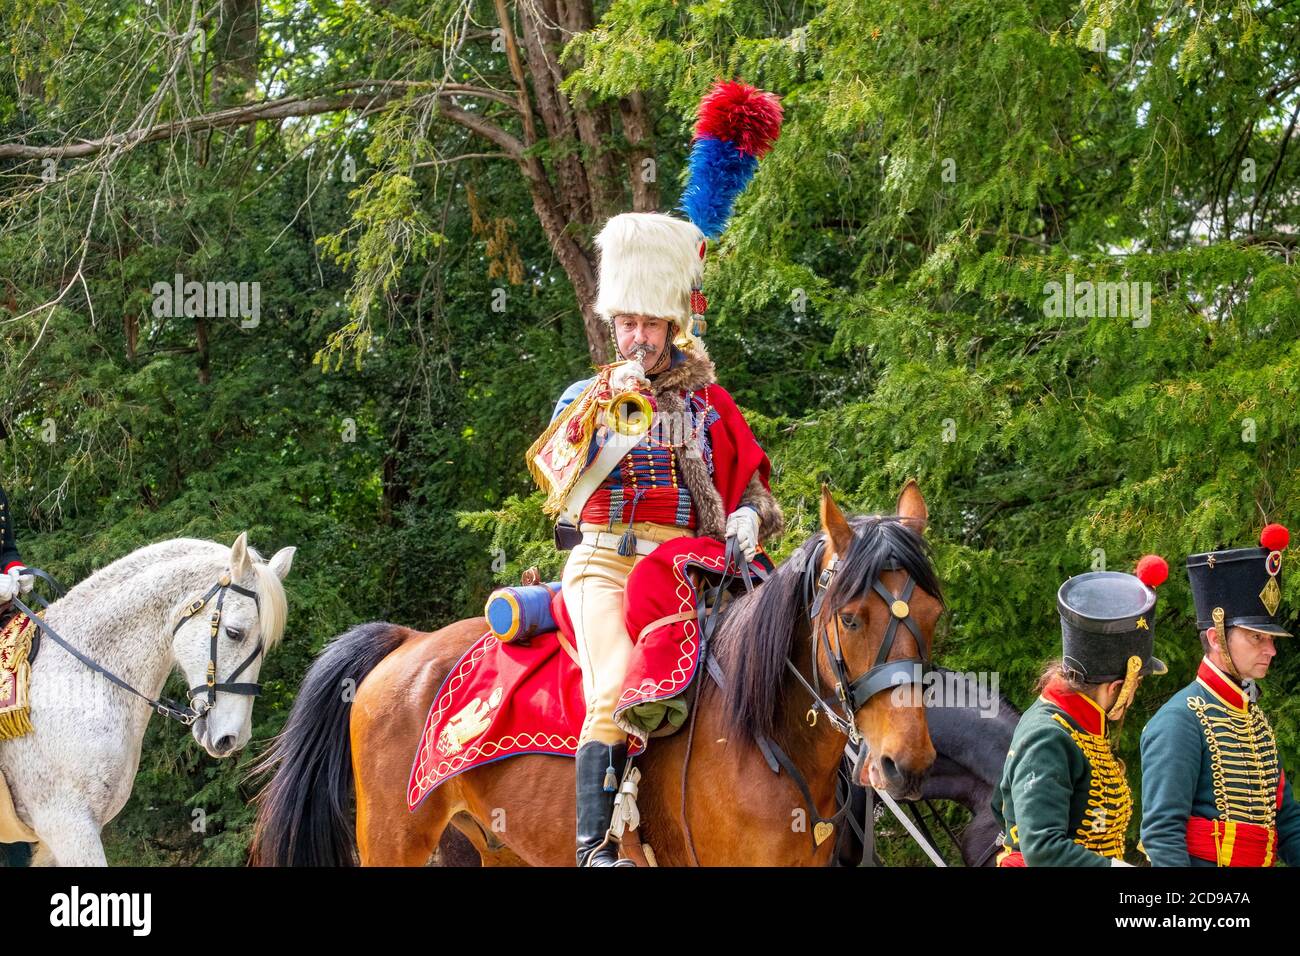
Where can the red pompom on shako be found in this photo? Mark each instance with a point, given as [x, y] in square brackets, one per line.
[1275, 537]
[741, 114]
[1152, 570]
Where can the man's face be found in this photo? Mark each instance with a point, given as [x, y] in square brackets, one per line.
[1252, 651]
[641, 337]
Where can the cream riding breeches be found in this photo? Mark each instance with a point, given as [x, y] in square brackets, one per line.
[593, 582]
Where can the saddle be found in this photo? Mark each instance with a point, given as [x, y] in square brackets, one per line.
[16, 654]
[505, 698]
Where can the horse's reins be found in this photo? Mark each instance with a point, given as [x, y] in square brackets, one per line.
[709, 614]
[162, 705]
[850, 693]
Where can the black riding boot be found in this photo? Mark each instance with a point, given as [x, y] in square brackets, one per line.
[596, 804]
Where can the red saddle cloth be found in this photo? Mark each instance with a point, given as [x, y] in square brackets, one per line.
[503, 700]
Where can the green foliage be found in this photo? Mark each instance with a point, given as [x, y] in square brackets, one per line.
[879, 307]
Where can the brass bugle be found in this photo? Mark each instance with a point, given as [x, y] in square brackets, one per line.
[629, 413]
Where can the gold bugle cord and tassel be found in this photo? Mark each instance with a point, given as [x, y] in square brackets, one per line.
[628, 413]
[1128, 689]
[1218, 616]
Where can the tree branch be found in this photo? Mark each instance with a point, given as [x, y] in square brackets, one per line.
[284, 108]
[483, 127]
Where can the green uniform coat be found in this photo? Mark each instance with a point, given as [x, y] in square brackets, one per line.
[1063, 799]
[1179, 769]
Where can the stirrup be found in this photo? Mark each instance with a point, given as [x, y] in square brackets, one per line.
[605, 853]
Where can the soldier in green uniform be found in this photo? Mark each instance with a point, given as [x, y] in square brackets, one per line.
[1063, 799]
[1213, 790]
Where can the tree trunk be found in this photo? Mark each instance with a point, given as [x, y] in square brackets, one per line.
[638, 130]
[570, 203]
[234, 51]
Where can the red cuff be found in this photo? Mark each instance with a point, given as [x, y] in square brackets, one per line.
[14, 564]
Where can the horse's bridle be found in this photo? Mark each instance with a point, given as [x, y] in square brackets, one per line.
[198, 706]
[210, 686]
[852, 693]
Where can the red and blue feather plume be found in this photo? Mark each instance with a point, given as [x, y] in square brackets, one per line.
[737, 126]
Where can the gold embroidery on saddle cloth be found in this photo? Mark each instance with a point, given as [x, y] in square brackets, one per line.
[15, 675]
[469, 722]
[1110, 801]
[1243, 761]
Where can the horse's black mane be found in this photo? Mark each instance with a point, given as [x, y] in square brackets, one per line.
[754, 640]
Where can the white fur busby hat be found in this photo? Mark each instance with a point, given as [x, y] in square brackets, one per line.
[653, 264]
[649, 263]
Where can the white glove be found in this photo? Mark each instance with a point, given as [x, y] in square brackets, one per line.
[8, 586]
[743, 523]
[1115, 861]
[25, 580]
[629, 375]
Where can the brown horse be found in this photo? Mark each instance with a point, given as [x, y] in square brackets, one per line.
[707, 794]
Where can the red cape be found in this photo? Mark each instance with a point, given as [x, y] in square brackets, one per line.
[736, 452]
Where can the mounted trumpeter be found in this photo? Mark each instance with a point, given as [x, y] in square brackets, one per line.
[682, 465]
[748, 706]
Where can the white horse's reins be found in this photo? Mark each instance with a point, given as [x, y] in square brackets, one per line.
[162, 705]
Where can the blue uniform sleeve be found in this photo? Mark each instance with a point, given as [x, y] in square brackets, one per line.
[570, 393]
[8, 546]
[1171, 771]
[1288, 826]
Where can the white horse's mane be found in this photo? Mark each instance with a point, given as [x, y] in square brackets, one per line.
[272, 603]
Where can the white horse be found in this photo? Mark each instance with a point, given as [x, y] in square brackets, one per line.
[73, 771]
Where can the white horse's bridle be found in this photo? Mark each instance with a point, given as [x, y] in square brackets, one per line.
[198, 705]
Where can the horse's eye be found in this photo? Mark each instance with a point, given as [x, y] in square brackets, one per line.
[235, 634]
[849, 621]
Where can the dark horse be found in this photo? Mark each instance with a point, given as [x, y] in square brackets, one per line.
[707, 795]
[971, 745]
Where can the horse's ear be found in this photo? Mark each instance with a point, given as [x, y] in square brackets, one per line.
[282, 562]
[911, 506]
[835, 524]
[240, 564]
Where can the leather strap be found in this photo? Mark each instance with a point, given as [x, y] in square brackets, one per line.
[162, 705]
[40, 601]
[778, 760]
[48, 579]
[852, 694]
[616, 446]
[665, 620]
[568, 648]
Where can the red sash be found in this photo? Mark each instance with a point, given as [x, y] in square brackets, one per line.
[1229, 843]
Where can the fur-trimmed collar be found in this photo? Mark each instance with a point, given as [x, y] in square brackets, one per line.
[693, 372]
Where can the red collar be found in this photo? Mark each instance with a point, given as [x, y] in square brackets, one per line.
[1221, 685]
[1085, 711]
